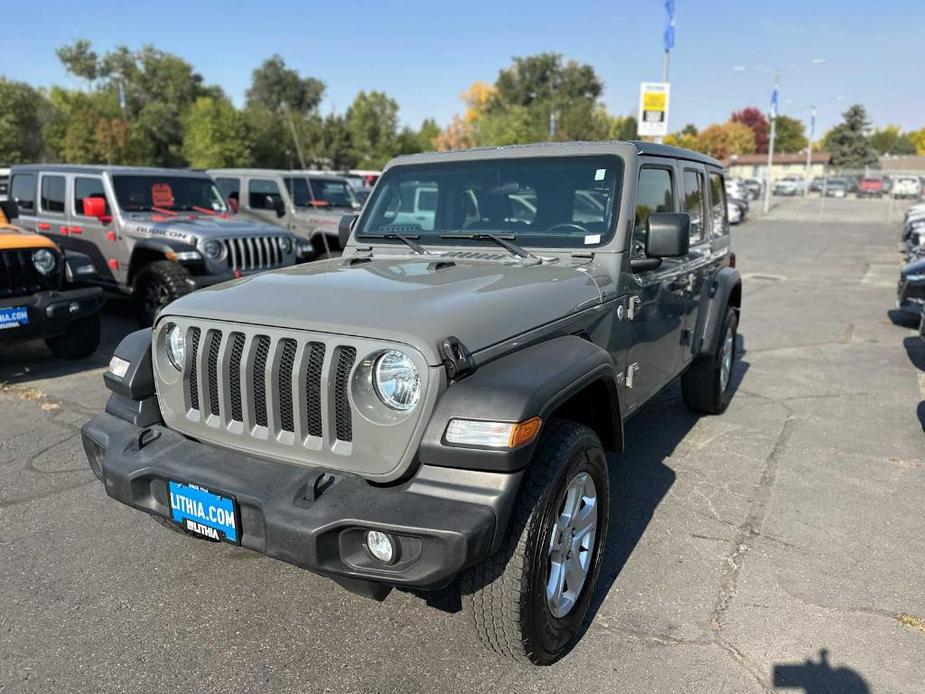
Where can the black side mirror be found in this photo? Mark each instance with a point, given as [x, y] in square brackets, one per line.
[344, 227]
[668, 235]
[278, 205]
[10, 209]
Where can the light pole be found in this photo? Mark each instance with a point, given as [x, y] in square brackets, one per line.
[775, 74]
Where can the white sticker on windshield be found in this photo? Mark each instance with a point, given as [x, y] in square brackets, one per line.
[592, 238]
[599, 174]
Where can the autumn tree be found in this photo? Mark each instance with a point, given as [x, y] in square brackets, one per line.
[891, 140]
[722, 141]
[755, 120]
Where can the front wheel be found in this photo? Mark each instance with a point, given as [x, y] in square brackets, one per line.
[529, 601]
[157, 285]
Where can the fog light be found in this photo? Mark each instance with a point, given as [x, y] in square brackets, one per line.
[380, 546]
[73, 307]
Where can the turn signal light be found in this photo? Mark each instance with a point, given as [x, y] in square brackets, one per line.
[474, 432]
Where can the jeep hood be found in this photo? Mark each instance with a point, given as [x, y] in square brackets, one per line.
[190, 228]
[417, 301]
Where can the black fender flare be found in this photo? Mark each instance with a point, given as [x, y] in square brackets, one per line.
[160, 247]
[532, 382]
[725, 290]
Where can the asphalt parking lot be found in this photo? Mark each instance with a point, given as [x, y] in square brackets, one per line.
[779, 545]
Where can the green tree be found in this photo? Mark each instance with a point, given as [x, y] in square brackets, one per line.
[891, 140]
[216, 135]
[336, 147]
[790, 135]
[848, 142]
[23, 111]
[276, 87]
[372, 121]
[80, 60]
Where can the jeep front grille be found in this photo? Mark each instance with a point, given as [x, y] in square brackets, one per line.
[247, 253]
[301, 396]
[18, 276]
[279, 390]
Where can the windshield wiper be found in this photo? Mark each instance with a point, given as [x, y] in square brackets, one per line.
[407, 240]
[504, 241]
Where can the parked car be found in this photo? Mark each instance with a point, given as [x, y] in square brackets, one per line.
[910, 293]
[789, 185]
[152, 234]
[735, 213]
[307, 204]
[815, 185]
[38, 298]
[907, 187]
[4, 184]
[438, 402]
[872, 187]
[836, 188]
[755, 187]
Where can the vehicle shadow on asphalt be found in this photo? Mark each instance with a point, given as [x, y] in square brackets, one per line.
[640, 479]
[915, 349]
[819, 678]
[24, 362]
[902, 319]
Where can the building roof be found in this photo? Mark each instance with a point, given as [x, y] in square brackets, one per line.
[753, 159]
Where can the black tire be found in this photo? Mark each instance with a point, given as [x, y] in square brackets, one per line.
[505, 595]
[80, 339]
[157, 285]
[160, 520]
[702, 384]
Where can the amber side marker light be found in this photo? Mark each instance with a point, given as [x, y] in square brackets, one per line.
[474, 432]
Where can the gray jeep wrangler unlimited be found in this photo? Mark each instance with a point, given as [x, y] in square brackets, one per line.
[437, 403]
[307, 203]
[154, 234]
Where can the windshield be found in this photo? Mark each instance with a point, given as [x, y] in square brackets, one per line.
[335, 193]
[544, 201]
[175, 193]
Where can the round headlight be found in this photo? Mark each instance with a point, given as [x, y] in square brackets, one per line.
[397, 381]
[44, 261]
[176, 346]
[285, 245]
[214, 249]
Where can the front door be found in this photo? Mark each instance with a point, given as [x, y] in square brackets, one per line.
[51, 216]
[263, 199]
[658, 302]
[97, 238]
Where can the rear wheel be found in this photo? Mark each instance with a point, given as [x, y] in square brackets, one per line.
[80, 339]
[157, 285]
[529, 601]
[706, 384]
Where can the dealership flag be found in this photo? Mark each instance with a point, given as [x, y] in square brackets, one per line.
[669, 25]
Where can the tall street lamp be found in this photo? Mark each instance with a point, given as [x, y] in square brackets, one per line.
[775, 75]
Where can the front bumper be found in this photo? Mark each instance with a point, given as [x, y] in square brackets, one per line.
[50, 312]
[443, 519]
[910, 297]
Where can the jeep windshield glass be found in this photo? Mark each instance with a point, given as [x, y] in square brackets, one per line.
[542, 202]
[327, 193]
[147, 193]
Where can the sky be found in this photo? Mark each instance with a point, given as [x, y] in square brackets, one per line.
[424, 54]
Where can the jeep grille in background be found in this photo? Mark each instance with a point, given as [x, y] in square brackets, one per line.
[253, 253]
[291, 401]
[18, 275]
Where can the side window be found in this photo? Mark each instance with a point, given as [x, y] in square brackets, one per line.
[694, 202]
[22, 190]
[262, 194]
[718, 200]
[655, 193]
[53, 194]
[88, 188]
[229, 187]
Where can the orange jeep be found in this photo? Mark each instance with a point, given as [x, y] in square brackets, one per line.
[35, 297]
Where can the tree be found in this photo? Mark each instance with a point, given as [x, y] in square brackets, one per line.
[336, 147]
[890, 140]
[80, 60]
[372, 121]
[23, 111]
[216, 135]
[789, 135]
[754, 119]
[276, 87]
[917, 137]
[848, 142]
[722, 141]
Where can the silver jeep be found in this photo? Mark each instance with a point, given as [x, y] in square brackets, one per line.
[436, 404]
[155, 234]
[307, 203]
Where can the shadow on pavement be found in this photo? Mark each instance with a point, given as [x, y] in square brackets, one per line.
[915, 349]
[819, 678]
[903, 318]
[24, 362]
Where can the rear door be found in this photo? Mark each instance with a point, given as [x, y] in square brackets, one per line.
[99, 239]
[698, 273]
[659, 303]
[51, 217]
[23, 191]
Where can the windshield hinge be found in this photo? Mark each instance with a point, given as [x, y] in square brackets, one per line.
[457, 360]
[579, 259]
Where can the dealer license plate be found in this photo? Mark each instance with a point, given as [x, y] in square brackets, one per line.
[203, 512]
[14, 317]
